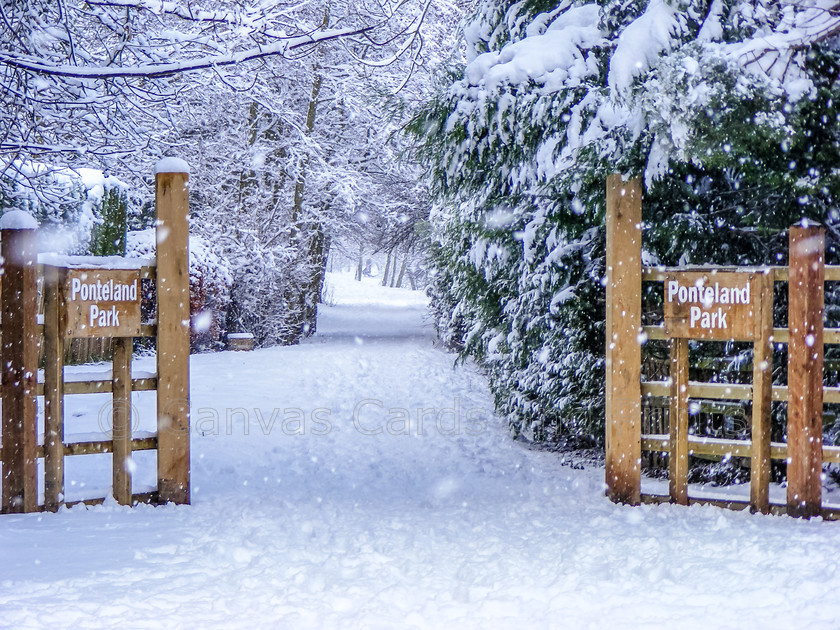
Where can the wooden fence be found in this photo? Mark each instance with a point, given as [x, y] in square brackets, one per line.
[805, 393]
[23, 333]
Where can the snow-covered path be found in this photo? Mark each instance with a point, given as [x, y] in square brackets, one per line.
[328, 509]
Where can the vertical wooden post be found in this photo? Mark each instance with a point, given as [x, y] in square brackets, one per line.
[623, 351]
[53, 390]
[121, 420]
[805, 370]
[20, 361]
[678, 457]
[762, 395]
[173, 334]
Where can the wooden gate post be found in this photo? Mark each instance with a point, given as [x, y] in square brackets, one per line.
[805, 370]
[53, 389]
[173, 333]
[762, 395]
[678, 423]
[20, 361]
[623, 351]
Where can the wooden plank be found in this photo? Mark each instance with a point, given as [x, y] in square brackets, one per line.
[19, 297]
[805, 370]
[728, 391]
[98, 447]
[136, 499]
[623, 350]
[53, 389]
[780, 335]
[121, 420]
[735, 448]
[762, 396]
[102, 386]
[173, 338]
[829, 514]
[678, 458]
[780, 274]
[148, 330]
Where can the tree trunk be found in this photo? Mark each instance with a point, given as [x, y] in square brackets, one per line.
[305, 297]
[361, 263]
[387, 269]
[402, 270]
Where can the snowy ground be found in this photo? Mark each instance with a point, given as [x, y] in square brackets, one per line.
[339, 513]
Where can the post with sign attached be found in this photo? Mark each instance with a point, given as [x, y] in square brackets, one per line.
[173, 334]
[20, 361]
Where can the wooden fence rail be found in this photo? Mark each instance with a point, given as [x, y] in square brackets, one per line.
[113, 314]
[805, 393]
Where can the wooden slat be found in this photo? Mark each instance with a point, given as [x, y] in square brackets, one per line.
[98, 447]
[173, 336]
[103, 386]
[678, 459]
[148, 330]
[780, 274]
[53, 388]
[762, 396]
[121, 420]
[780, 335]
[142, 497]
[736, 448]
[829, 514]
[805, 370]
[728, 391]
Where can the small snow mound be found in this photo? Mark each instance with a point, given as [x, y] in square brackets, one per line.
[172, 165]
[18, 220]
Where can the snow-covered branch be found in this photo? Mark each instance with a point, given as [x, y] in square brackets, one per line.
[34, 64]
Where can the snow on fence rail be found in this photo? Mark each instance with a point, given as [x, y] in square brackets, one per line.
[94, 297]
[706, 303]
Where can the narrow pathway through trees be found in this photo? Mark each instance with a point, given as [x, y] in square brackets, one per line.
[318, 502]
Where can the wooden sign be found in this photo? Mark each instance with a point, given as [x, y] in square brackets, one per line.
[715, 305]
[101, 302]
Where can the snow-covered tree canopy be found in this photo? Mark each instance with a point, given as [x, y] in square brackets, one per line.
[95, 77]
[728, 109]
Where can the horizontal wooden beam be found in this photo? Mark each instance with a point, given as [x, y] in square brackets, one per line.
[103, 386]
[136, 499]
[780, 335]
[727, 391]
[735, 448]
[141, 497]
[103, 446]
[780, 274]
[829, 514]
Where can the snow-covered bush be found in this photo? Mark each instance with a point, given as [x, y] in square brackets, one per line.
[210, 286]
[729, 111]
[80, 211]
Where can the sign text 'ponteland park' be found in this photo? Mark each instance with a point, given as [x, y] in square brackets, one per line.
[711, 305]
[102, 302]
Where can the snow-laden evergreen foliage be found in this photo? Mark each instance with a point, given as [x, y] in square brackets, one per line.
[728, 109]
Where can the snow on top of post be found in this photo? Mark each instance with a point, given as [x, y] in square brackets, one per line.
[172, 165]
[18, 220]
